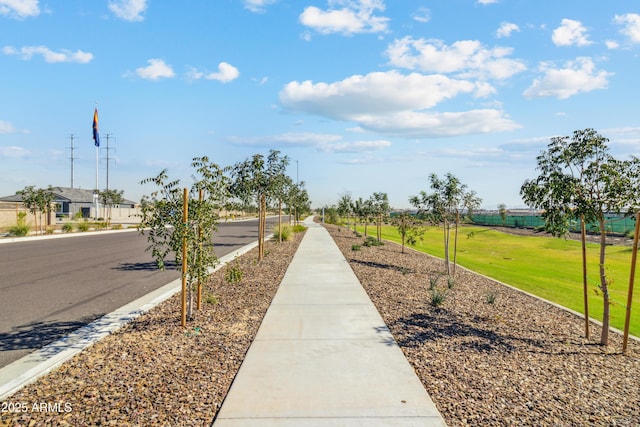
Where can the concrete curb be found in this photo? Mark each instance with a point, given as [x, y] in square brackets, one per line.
[31, 367]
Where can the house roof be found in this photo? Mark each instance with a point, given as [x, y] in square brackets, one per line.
[66, 194]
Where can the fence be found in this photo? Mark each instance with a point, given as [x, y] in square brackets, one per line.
[614, 223]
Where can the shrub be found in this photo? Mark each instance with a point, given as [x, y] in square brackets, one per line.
[450, 282]
[21, 228]
[234, 274]
[433, 281]
[355, 247]
[83, 226]
[67, 227]
[490, 298]
[285, 232]
[211, 299]
[372, 241]
[299, 228]
[437, 298]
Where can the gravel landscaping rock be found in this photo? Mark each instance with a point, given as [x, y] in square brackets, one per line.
[154, 372]
[493, 356]
[488, 356]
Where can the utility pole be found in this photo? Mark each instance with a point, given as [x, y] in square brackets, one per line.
[72, 136]
[108, 159]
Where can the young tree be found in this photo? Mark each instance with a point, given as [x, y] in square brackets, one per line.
[38, 201]
[108, 199]
[579, 178]
[167, 231]
[344, 206]
[259, 180]
[442, 206]
[502, 211]
[278, 182]
[380, 208]
[409, 227]
[468, 202]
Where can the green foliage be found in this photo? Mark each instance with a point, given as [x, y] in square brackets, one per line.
[67, 227]
[331, 215]
[437, 297]
[299, 228]
[211, 299]
[579, 178]
[490, 298]
[234, 274]
[372, 241]
[410, 229]
[21, 228]
[38, 201]
[284, 233]
[433, 281]
[355, 247]
[450, 282]
[83, 226]
[444, 205]
[166, 230]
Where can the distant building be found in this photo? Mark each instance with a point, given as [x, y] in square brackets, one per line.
[70, 201]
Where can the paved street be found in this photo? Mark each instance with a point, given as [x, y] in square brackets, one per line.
[51, 287]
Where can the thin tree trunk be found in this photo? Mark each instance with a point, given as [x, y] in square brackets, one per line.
[585, 287]
[632, 275]
[280, 221]
[260, 228]
[455, 243]
[604, 337]
[446, 246]
[264, 223]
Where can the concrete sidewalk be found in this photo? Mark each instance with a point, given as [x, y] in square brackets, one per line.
[323, 355]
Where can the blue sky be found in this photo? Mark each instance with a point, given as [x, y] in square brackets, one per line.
[363, 95]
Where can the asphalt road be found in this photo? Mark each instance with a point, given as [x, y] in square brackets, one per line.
[51, 287]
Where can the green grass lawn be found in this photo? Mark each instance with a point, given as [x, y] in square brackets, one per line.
[545, 266]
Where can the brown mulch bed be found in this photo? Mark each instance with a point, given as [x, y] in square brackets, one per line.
[154, 372]
[513, 362]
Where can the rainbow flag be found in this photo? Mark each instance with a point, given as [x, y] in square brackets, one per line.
[96, 136]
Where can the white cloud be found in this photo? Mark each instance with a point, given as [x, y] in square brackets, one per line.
[612, 44]
[570, 33]
[226, 73]
[356, 147]
[576, 77]
[630, 26]
[506, 28]
[129, 10]
[394, 103]
[19, 8]
[156, 70]
[257, 6]
[487, 1]
[468, 58]
[374, 93]
[417, 124]
[49, 55]
[13, 152]
[328, 143]
[6, 127]
[422, 15]
[354, 16]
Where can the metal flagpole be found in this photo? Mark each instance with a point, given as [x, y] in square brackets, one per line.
[96, 138]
